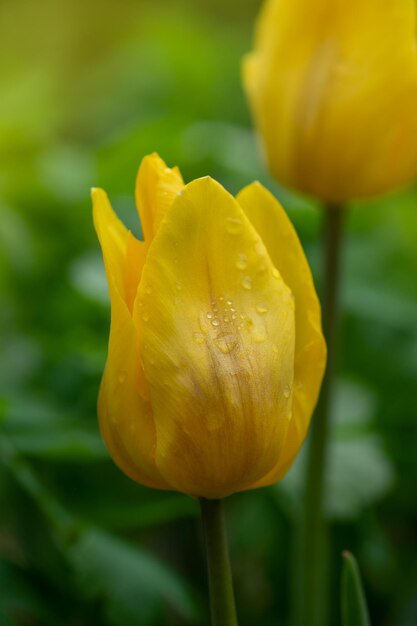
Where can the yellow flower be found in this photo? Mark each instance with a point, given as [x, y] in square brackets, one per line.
[211, 375]
[333, 89]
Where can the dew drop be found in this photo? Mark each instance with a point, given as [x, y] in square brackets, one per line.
[234, 316]
[287, 391]
[209, 315]
[233, 225]
[221, 298]
[261, 308]
[226, 319]
[226, 343]
[215, 322]
[259, 248]
[203, 326]
[247, 283]
[198, 338]
[145, 316]
[241, 262]
[229, 302]
[121, 376]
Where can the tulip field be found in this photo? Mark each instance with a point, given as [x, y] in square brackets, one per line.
[208, 320]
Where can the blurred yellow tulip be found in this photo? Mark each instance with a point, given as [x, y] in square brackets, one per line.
[216, 353]
[333, 89]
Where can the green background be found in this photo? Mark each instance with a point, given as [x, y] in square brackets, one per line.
[87, 89]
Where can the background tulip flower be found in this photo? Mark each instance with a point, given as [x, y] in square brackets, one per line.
[216, 353]
[333, 89]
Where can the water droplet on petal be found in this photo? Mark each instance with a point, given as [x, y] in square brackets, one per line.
[209, 315]
[241, 262]
[287, 391]
[229, 302]
[261, 308]
[121, 376]
[226, 319]
[233, 225]
[260, 248]
[145, 316]
[198, 338]
[247, 283]
[226, 343]
[203, 326]
[215, 322]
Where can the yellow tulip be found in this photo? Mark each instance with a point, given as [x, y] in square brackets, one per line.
[333, 89]
[216, 353]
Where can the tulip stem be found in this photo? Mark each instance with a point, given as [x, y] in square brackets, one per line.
[311, 598]
[222, 601]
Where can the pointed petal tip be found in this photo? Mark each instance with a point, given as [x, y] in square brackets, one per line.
[97, 195]
[94, 191]
[205, 182]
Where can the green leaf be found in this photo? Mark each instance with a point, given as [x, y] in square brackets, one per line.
[133, 585]
[19, 599]
[354, 607]
[69, 442]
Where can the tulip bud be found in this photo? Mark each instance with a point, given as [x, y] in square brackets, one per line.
[216, 353]
[333, 89]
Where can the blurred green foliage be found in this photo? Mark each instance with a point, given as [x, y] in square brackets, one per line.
[89, 88]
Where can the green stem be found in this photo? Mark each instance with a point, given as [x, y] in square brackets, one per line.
[311, 601]
[222, 602]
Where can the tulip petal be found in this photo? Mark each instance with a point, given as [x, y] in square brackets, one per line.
[272, 223]
[125, 415]
[123, 254]
[156, 188]
[333, 89]
[216, 322]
